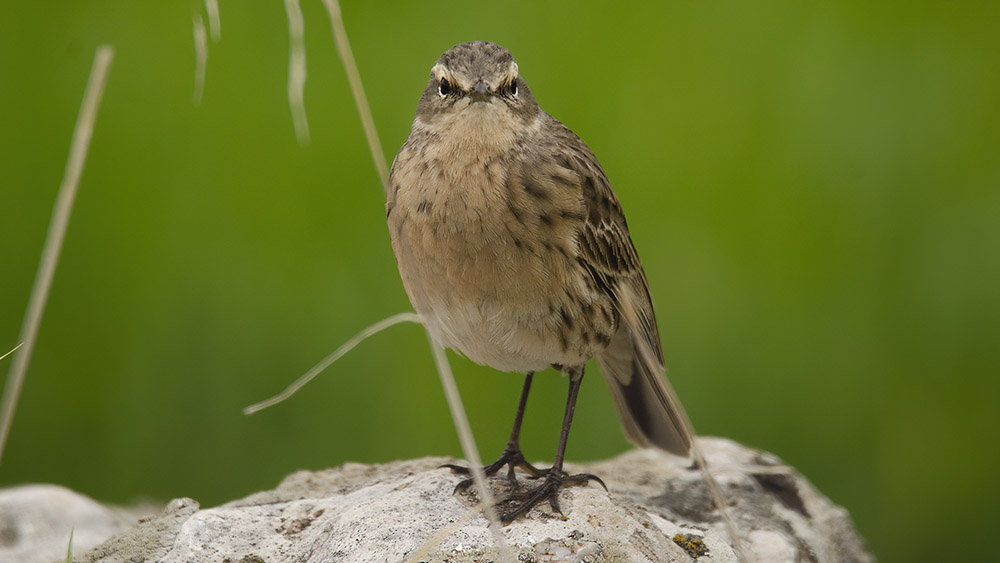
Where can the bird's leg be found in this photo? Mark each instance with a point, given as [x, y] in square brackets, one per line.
[511, 456]
[554, 477]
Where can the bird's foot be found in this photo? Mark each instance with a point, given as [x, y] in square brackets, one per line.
[511, 457]
[520, 503]
[522, 499]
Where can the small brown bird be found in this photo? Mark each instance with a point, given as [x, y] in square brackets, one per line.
[514, 251]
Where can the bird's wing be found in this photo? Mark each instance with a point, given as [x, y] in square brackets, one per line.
[648, 408]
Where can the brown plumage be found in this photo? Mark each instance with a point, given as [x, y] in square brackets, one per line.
[514, 251]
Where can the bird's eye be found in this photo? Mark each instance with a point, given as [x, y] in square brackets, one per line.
[512, 89]
[444, 88]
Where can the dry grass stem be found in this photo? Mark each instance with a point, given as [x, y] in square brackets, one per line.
[214, 24]
[441, 360]
[718, 497]
[439, 536]
[367, 121]
[336, 355]
[469, 448]
[200, 58]
[742, 554]
[297, 70]
[82, 133]
[11, 351]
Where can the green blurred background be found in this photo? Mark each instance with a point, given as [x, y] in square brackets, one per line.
[814, 189]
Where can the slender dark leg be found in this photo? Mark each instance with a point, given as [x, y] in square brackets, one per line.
[554, 477]
[511, 456]
[514, 442]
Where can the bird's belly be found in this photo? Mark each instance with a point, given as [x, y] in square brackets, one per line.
[500, 296]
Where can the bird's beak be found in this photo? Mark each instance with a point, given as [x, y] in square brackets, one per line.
[480, 91]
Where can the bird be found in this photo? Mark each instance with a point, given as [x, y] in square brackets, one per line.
[514, 251]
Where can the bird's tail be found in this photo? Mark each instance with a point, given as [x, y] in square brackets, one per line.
[647, 406]
[650, 413]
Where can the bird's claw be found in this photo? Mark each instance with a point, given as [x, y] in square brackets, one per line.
[511, 457]
[549, 489]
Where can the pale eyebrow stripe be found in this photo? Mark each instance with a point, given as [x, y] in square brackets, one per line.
[513, 71]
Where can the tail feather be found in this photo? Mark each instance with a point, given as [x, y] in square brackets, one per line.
[650, 412]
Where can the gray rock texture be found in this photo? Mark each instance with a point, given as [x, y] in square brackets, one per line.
[658, 510]
[36, 520]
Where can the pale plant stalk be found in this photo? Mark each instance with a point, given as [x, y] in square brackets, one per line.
[439, 536]
[647, 356]
[82, 133]
[12, 350]
[354, 77]
[743, 555]
[466, 438]
[454, 404]
[469, 448]
[200, 58]
[214, 23]
[327, 361]
[297, 70]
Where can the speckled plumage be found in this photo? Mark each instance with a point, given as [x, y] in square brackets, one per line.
[512, 246]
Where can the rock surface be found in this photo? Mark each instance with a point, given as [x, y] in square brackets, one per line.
[658, 510]
[36, 520]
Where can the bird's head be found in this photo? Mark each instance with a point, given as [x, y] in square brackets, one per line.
[476, 82]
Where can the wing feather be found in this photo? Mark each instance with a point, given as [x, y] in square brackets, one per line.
[632, 364]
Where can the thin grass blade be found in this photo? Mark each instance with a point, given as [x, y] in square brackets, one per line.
[79, 146]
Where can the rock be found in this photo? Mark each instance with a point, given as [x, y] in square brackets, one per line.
[150, 540]
[36, 520]
[658, 510]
